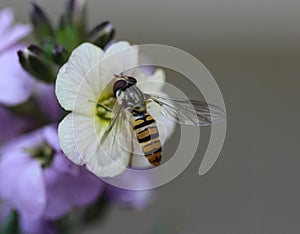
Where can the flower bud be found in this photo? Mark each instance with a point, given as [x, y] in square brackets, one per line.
[71, 30]
[76, 11]
[42, 26]
[102, 34]
[35, 62]
[59, 54]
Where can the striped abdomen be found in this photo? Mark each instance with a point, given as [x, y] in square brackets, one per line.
[147, 134]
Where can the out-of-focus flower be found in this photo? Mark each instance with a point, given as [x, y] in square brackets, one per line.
[47, 101]
[11, 34]
[81, 87]
[39, 182]
[15, 84]
[11, 125]
[137, 199]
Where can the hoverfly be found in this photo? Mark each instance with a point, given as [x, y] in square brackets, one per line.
[132, 120]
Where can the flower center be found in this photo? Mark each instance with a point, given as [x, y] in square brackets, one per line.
[104, 108]
[44, 153]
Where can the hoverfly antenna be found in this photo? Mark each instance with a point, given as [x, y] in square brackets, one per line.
[119, 75]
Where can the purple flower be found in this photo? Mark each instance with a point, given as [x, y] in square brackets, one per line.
[11, 125]
[137, 199]
[45, 96]
[38, 180]
[15, 84]
[10, 34]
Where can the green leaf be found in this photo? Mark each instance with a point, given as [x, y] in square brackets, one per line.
[10, 224]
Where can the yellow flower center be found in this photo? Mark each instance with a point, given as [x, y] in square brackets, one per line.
[105, 104]
[104, 108]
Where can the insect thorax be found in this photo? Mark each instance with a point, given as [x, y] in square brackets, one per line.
[133, 99]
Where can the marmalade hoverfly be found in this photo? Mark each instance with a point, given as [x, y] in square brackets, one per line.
[132, 120]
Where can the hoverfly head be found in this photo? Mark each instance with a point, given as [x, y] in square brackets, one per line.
[122, 83]
[131, 80]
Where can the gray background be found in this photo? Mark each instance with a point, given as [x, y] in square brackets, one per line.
[252, 50]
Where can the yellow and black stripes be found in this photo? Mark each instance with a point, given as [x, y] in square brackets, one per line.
[147, 134]
[142, 120]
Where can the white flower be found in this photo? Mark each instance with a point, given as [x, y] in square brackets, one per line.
[84, 81]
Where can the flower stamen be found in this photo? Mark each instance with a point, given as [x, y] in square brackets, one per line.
[104, 108]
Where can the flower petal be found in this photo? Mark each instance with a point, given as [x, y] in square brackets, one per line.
[47, 101]
[88, 187]
[30, 183]
[9, 34]
[118, 58]
[152, 84]
[30, 140]
[66, 191]
[58, 200]
[67, 141]
[20, 177]
[62, 164]
[11, 125]
[6, 19]
[12, 35]
[50, 135]
[10, 172]
[78, 83]
[80, 140]
[97, 161]
[15, 83]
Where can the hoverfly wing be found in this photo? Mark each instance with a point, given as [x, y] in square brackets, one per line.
[188, 112]
[117, 140]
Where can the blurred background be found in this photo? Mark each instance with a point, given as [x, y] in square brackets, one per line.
[252, 50]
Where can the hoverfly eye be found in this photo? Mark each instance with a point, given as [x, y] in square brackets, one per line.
[131, 80]
[120, 84]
